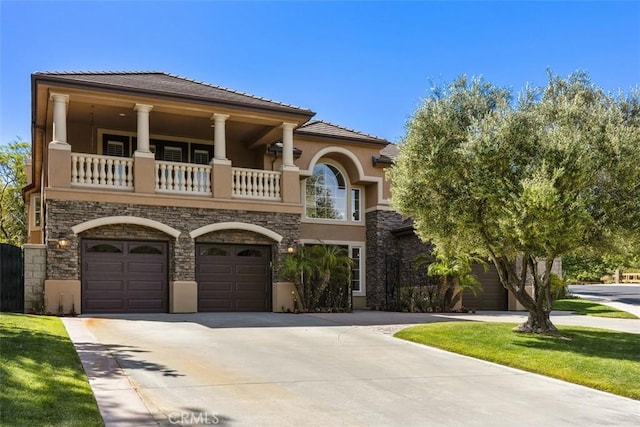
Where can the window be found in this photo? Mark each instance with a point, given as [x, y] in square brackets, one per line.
[251, 253]
[356, 269]
[37, 212]
[115, 148]
[173, 154]
[201, 157]
[104, 248]
[116, 145]
[145, 249]
[213, 251]
[328, 196]
[356, 204]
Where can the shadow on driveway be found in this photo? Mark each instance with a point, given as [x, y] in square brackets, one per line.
[287, 320]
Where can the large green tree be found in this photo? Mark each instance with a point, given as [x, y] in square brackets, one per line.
[13, 216]
[522, 182]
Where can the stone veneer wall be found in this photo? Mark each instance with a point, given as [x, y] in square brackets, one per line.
[62, 215]
[35, 270]
[380, 244]
[409, 246]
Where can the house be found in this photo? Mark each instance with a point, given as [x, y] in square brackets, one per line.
[150, 192]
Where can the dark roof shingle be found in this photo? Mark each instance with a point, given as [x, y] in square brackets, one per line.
[161, 83]
[322, 128]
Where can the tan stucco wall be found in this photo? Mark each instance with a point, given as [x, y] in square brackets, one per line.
[171, 200]
[362, 152]
[326, 232]
[62, 292]
[371, 178]
[282, 293]
[183, 297]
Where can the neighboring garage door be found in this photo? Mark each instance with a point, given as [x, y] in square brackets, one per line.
[493, 295]
[124, 276]
[233, 277]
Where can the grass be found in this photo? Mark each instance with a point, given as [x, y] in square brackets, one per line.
[42, 380]
[590, 308]
[601, 359]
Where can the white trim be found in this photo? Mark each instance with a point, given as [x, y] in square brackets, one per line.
[363, 258]
[349, 201]
[32, 212]
[110, 220]
[236, 226]
[361, 176]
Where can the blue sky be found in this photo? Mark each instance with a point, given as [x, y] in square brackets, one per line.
[363, 65]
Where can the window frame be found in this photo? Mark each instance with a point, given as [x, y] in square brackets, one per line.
[35, 208]
[349, 191]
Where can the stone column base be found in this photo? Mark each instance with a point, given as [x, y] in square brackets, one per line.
[283, 296]
[62, 296]
[183, 297]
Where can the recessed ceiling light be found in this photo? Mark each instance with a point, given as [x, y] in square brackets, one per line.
[122, 114]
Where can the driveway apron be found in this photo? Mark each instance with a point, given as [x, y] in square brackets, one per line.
[279, 369]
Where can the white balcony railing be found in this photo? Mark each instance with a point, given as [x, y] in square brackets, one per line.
[90, 170]
[256, 184]
[183, 178]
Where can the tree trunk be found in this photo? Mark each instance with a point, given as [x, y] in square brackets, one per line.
[538, 306]
[538, 322]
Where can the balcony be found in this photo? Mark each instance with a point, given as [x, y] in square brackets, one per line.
[100, 172]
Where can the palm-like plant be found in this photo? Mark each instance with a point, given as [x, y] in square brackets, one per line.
[455, 274]
[312, 268]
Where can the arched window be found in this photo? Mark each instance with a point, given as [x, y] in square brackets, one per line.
[328, 195]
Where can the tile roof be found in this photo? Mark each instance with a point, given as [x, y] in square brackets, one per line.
[155, 82]
[391, 151]
[322, 128]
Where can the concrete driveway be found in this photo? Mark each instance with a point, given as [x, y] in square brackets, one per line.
[283, 369]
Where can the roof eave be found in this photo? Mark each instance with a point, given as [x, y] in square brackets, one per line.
[44, 78]
[343, 138]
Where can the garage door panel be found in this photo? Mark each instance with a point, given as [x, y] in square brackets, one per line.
[133, 279]
[493, 295]
[145, 286]
[104, 285]
[145, 304]
[250, 287]
[106, 304]
[215, 269]
[235, 282]
[255, 270]
[216, 286]
[146, 267]
[102, 267]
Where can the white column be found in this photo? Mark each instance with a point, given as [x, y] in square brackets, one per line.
[60, 102]
[287, 145]
[143, 127]
[219, 137]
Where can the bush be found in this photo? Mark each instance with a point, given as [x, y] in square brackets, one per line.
[559, 287]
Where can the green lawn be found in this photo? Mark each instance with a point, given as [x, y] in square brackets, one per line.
[597, 358]
[590, 308]
[42, 380]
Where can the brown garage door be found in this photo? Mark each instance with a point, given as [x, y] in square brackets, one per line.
[493, 295]
[124, 276]
[233, 277]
